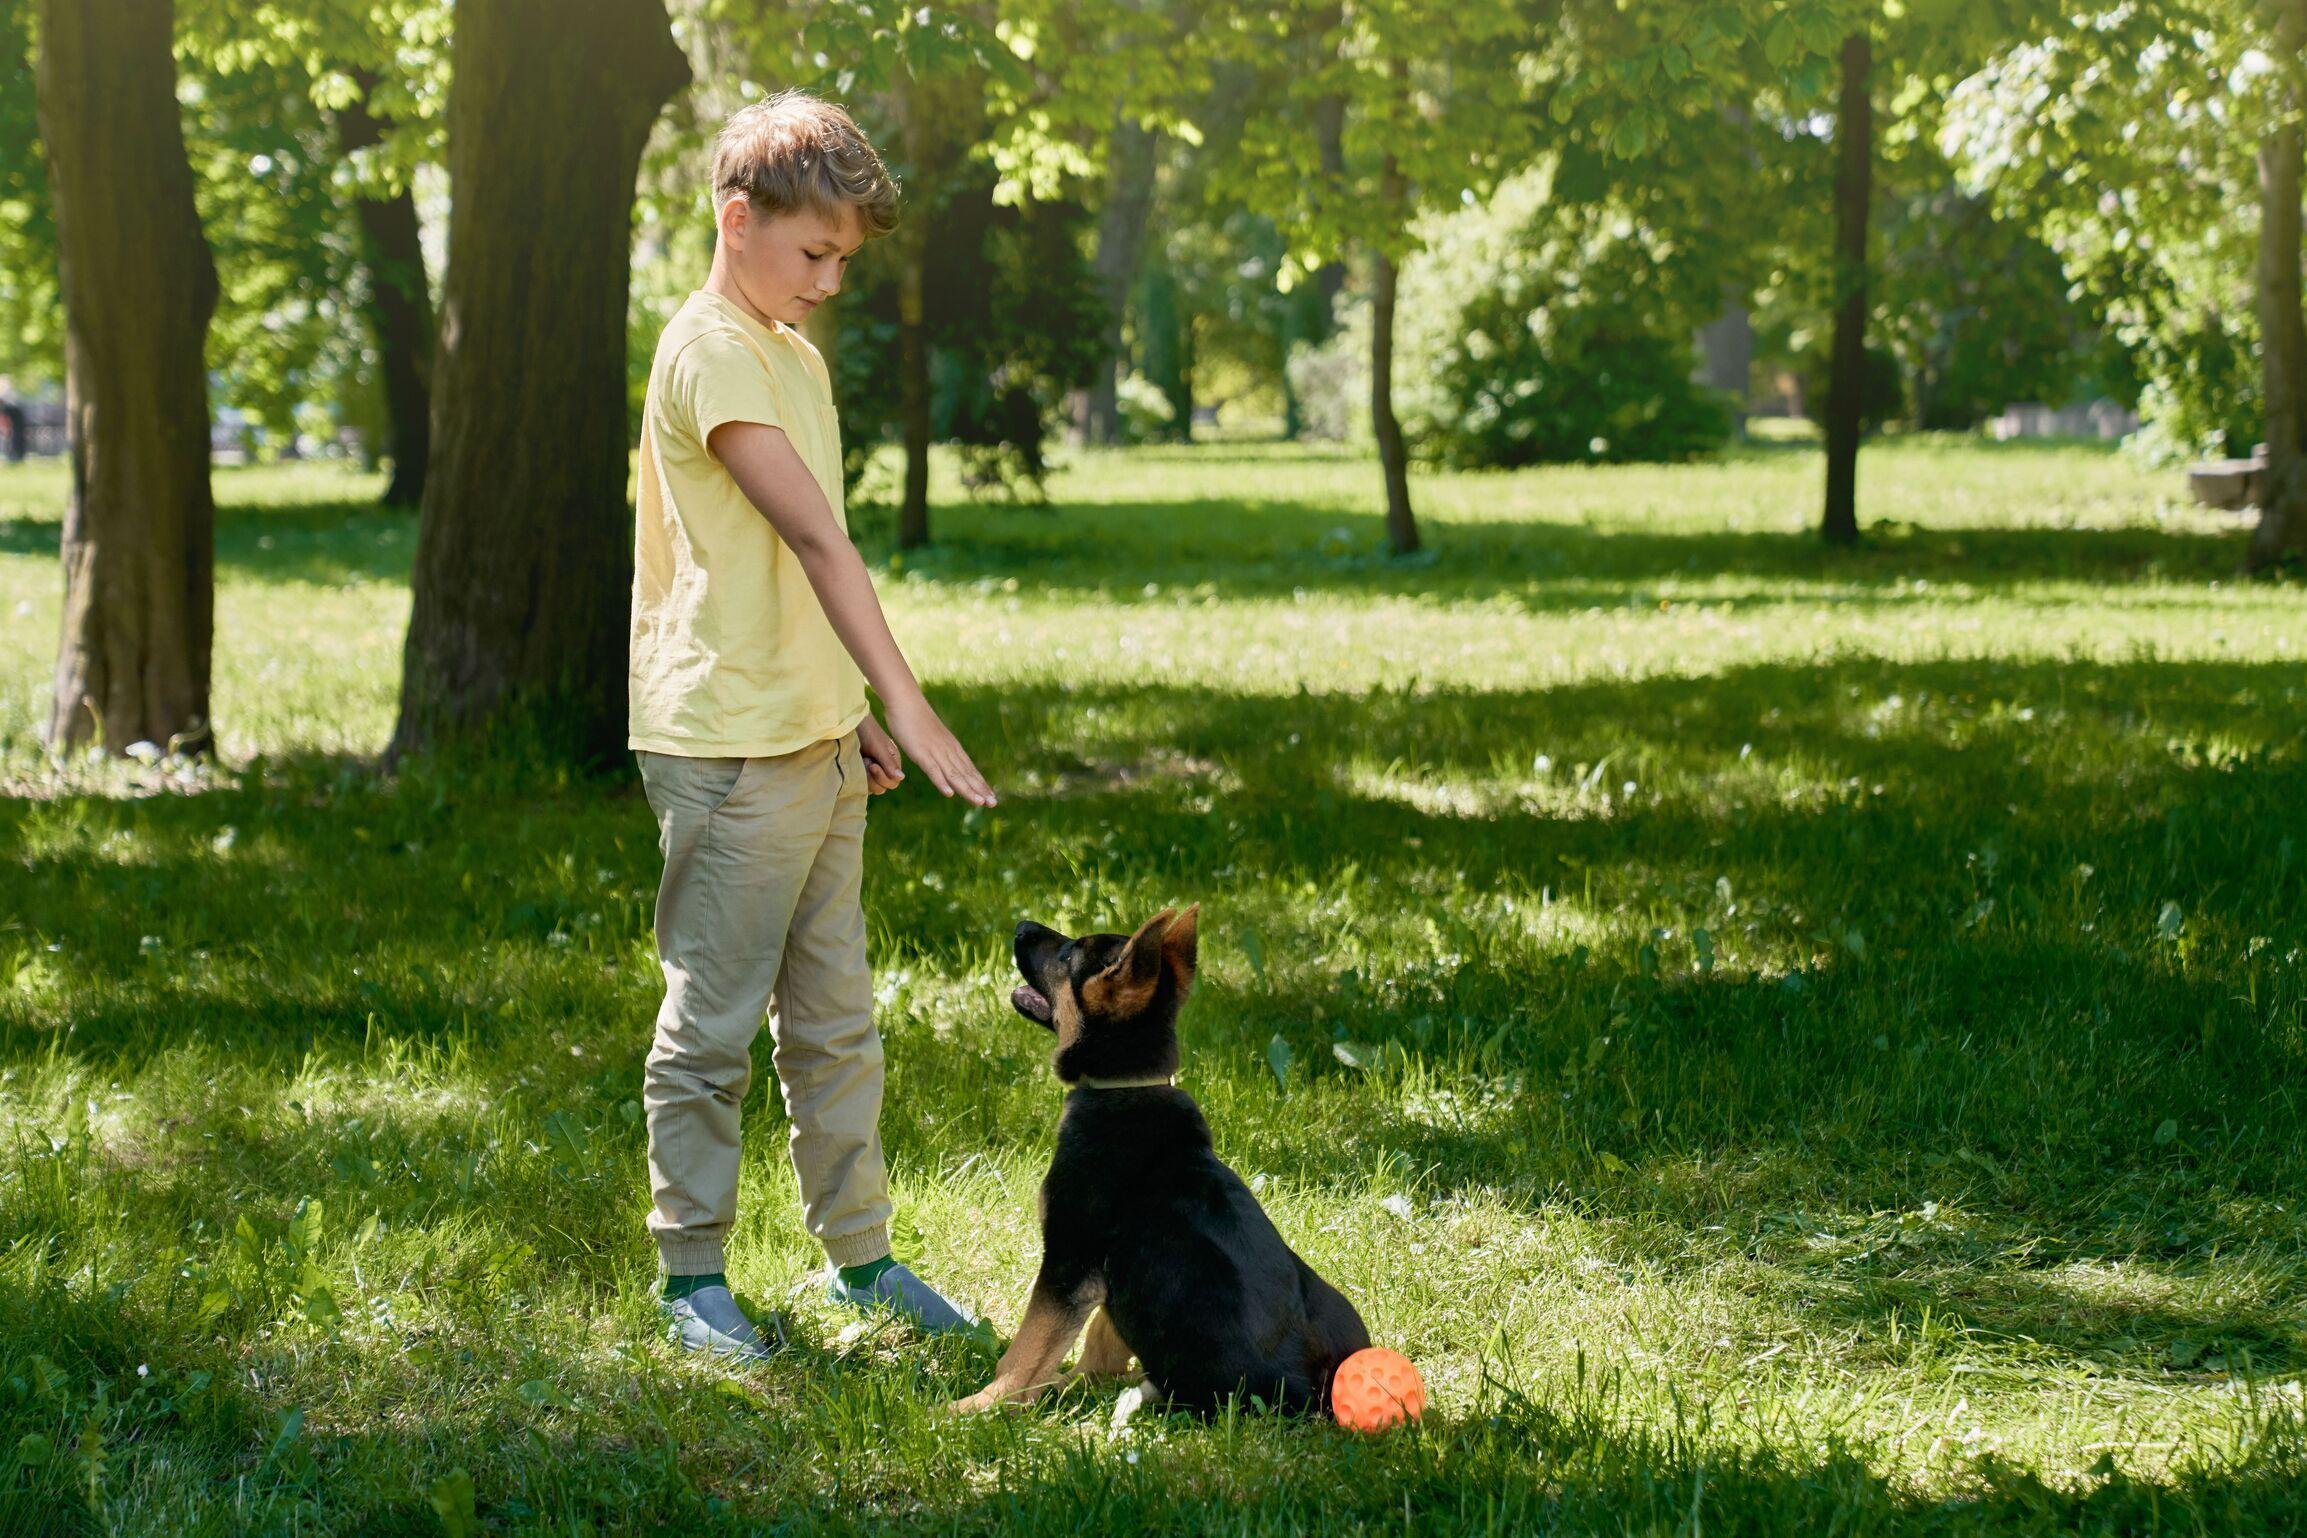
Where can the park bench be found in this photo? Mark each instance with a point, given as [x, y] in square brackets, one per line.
[2231, 484]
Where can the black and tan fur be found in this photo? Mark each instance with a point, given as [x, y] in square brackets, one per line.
[1148, 1239]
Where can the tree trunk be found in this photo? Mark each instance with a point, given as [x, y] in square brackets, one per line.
[524, 550]
[138, 286]
[1393, 457]
[913, 394]
[1846, 381]
[2282, 528]
[1165, 345]
[912, 334]
[1330, 146]
[1726, 354]
[399, 308]
[1184, 399]
[1131, 154]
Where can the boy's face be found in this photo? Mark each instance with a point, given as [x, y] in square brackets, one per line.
[785, 265]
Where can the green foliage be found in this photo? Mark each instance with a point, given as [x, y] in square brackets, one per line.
[860, 50]
[1567, 342]
[1551, 323]
[1882, 386]
[1438, 88]
[2203, 392]
[1012, 317]
[1163, 322]
[978, 138]
[2155, 212]
[1976, 309]
[1549, 377]
[31, 308]
[275, 190]
[390, 54]
[1639, 80]
[271, 186]
[1081, 64]
[1222, 270]
[264, 178]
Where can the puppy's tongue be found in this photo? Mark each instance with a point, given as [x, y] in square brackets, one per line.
[1028, 998]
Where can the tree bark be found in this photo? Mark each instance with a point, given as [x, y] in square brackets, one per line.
[139, 286]
[1182, 396]
[913, 394]
[912, 331]
[2282, 527]
[1846, 380]
[1131, 156]
[1393, 456]
[399, 307]
[524, 549]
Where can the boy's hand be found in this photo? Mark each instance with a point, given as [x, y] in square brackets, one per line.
[770, 473]
[884, 765]
[938, 752]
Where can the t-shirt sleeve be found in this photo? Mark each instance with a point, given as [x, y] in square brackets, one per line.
[717, 378]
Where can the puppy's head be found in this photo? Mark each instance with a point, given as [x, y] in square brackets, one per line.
[1111, 1000]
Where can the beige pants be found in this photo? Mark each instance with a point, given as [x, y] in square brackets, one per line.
[760, 905]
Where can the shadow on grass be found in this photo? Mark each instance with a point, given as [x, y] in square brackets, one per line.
[1572, 1459]
[2172, 783]
[327, 544]
[1877, 792]
[858, 1447]
[1538, 1471]
[1262, 549]
[2048, 979]
[1267, 549]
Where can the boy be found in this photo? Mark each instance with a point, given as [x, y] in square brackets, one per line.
[755, 631]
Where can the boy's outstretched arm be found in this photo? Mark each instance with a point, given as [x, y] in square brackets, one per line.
[762, 461]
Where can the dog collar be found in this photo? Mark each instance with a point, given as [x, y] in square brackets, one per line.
[1156, 1081]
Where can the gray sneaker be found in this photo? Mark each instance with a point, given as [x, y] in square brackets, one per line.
[710, 1321]
[901, 1292]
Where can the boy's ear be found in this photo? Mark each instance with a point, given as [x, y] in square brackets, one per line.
[1127, 983]
[731, 217]
[1180, 952]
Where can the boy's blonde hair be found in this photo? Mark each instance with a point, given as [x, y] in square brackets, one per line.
[794, 151]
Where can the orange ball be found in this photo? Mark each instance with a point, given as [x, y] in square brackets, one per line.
[1376, 1389]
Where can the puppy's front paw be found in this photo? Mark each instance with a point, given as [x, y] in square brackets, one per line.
[978, 1403]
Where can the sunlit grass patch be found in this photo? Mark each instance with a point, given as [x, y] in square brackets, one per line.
[1783, 1040]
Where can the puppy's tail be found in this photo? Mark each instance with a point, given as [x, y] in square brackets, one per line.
[1339, 1331]
[1328, 1381]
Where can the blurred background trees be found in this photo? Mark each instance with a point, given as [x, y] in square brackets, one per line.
[1478, 235]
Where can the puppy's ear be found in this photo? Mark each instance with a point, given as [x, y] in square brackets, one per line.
[1127, 983]
[1179, 951]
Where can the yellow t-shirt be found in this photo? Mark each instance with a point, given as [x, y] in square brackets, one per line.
[732, 654]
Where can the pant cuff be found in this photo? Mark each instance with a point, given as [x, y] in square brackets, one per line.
[691, 1257]
[858, 1248]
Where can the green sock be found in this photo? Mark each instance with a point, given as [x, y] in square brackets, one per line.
[682, 1286]
[867, 1274]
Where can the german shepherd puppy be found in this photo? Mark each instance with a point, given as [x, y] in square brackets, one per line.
[1147, 1237]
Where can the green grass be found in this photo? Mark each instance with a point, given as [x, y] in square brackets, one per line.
[1833, 1025]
